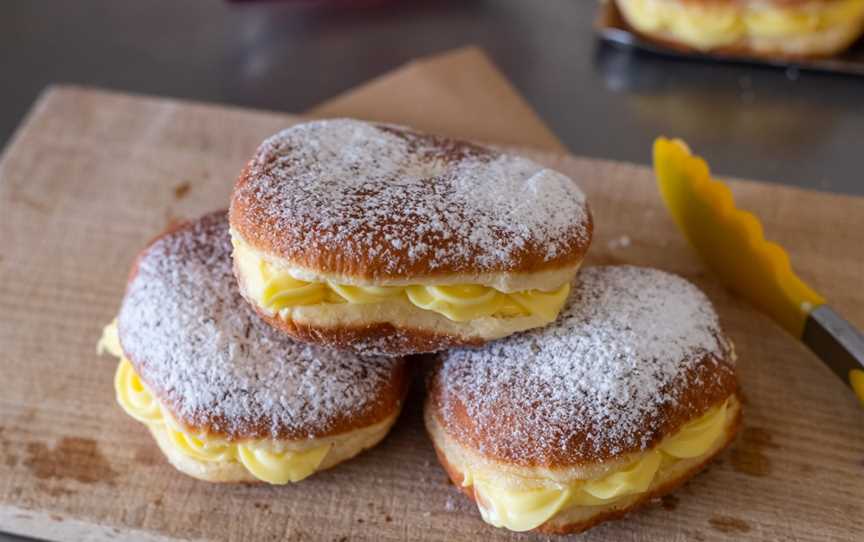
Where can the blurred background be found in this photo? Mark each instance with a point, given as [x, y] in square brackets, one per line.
[780, 125]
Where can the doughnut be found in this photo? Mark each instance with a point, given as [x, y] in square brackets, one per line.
[383, 240]
[226, 397]
[626, 396]
[756, 28]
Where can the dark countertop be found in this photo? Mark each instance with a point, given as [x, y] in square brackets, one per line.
[799, 128]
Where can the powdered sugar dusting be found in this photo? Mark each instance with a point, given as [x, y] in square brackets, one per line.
[600, 381]
[202, 349]
[411, 202]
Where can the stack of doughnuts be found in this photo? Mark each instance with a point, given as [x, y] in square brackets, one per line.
[274, 340]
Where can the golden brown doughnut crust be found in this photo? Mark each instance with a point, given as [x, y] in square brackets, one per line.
[574, 528]
[209, 233]
[421, 248]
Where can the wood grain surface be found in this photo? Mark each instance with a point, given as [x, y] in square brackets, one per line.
[91, 176]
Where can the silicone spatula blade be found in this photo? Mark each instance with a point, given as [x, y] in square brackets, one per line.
[732, 244]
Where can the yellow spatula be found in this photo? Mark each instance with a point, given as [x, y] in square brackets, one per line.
[731, 242]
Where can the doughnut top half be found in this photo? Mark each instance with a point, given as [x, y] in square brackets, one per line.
[383, 202]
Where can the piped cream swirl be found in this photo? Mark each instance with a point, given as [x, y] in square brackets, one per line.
[275, 289]
[523, 509]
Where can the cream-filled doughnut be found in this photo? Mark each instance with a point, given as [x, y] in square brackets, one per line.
[629, 393]
[382, 239]
[228, 398]
[760, 28]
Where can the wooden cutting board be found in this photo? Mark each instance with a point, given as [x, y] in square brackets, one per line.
[91, 176]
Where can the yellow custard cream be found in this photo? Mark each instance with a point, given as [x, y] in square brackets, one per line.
[275, 289]
[707, 25]
[526, 509]
[266, 460]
